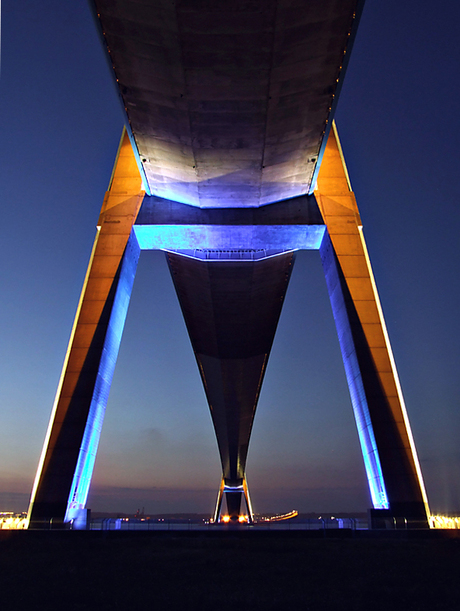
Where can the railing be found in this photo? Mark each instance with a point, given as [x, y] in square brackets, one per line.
[175, 525]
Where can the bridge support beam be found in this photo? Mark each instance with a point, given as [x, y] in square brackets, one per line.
[393, 471]
[233, 497]
[65, 469]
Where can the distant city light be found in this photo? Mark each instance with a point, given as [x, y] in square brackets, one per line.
[445, 522]
[13, 521]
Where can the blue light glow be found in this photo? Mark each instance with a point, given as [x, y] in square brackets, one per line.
[87, 456]
[233, 488]
[229, 237]
[354, 379]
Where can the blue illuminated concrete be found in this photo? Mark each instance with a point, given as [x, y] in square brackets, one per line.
[354, 377]
[294, 224]
[239, 237]
[108, 357]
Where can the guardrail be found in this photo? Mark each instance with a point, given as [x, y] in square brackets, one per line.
[285, 525]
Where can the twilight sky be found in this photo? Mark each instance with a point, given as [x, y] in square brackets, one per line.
[60, 123]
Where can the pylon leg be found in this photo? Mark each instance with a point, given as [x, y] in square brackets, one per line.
[65, 469]
[220, 495]
[248, 502]
[390, 459]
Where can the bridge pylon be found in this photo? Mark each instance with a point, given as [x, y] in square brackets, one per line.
[231, 271]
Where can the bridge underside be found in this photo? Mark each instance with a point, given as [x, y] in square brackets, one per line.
[231, 310]
[229, 109]
[228, 102]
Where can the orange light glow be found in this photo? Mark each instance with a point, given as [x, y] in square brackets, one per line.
[225, 519]
[445, 522]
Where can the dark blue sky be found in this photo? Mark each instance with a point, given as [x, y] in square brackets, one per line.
[60, 123]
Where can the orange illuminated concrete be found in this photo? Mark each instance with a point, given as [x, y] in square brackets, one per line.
[400, 466]
[75, 394]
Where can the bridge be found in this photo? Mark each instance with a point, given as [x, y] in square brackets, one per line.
[230, 163]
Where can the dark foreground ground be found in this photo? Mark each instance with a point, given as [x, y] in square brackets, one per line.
[223, 571]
